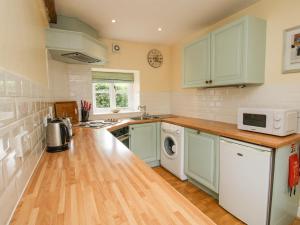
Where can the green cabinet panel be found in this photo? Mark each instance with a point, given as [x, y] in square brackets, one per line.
[144, 141]
[284, 206]
[196, 67]
[228, 53]
[238, 52]
[237, 55]
[201, 158]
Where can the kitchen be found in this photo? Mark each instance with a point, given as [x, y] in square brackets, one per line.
[182, 117]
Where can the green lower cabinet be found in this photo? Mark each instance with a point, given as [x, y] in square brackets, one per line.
[145, 142]
[201, 158]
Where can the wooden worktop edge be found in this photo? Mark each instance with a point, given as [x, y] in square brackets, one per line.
[218, 128]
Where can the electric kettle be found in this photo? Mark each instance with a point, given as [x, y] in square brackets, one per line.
[67, 121]
[57, 136]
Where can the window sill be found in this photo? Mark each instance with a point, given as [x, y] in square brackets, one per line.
[122, 112]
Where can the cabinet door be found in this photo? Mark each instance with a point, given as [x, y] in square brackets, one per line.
[196, 63]
[143, 141]
[228, 54]
[202, 158]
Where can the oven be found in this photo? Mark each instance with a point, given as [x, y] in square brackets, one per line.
[123, 135]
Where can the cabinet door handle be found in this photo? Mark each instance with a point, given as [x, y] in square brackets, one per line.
[210, 81]
[206, 81]
[132, 128]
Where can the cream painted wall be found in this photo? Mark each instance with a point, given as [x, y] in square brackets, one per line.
[133, 56]
[22, 38]
[279, 14]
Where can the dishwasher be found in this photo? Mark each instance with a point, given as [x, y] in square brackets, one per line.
[245, 180]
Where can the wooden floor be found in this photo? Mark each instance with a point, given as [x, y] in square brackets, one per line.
[201, 200]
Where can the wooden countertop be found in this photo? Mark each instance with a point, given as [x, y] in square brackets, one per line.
[100, 181]
[218, 128]
[231, 131]
[127, 122]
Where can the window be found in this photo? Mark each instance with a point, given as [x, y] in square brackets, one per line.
[115, 89]
[111, 95]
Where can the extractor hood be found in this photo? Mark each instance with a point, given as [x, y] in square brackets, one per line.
[74, 46]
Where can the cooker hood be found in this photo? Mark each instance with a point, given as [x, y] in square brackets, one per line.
[74, 46]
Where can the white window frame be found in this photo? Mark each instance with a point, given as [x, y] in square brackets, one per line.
[134, 97]
[112, 98]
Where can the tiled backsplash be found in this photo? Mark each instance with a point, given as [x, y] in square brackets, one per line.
[23, 107]
[157, 102]
[221, 104]
[73, 82]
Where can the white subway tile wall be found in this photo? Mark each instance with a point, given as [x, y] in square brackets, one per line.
[157, 102]
[23, 105]
[221, 104]
[74, 82]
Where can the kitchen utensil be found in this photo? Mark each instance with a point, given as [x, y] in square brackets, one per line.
[85, 110]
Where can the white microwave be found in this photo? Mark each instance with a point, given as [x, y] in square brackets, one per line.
[280, 122]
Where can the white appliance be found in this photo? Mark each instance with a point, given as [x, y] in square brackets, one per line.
[172, 149]
[245, 181]
[280, 122]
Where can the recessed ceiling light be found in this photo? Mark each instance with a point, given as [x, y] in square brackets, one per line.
[159, 29]
[113, 21]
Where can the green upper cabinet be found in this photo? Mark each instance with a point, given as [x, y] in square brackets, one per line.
[201, 158]
[238, 52]
[145, 141]
[196, 67]
[228, 49]
[237, 55]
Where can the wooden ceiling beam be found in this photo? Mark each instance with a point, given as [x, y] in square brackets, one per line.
[50, 7]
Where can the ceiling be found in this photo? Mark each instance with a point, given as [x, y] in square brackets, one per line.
[139, 20]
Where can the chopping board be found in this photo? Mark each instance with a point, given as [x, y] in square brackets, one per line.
[67, 109]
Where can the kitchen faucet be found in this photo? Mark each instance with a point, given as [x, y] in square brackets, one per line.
[143, 109]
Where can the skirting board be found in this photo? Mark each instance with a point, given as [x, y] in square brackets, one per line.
[25, 187]
[154, 163]
[298, 212]
[203, 188]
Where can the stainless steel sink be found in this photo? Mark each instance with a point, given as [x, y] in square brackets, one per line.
[146, 117]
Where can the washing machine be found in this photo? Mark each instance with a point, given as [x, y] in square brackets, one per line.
[172, 149]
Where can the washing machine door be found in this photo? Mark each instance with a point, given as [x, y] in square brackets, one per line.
[170, 147]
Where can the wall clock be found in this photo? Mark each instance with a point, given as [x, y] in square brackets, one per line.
[155, 58]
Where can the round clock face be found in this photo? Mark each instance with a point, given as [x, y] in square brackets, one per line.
[155, 58]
